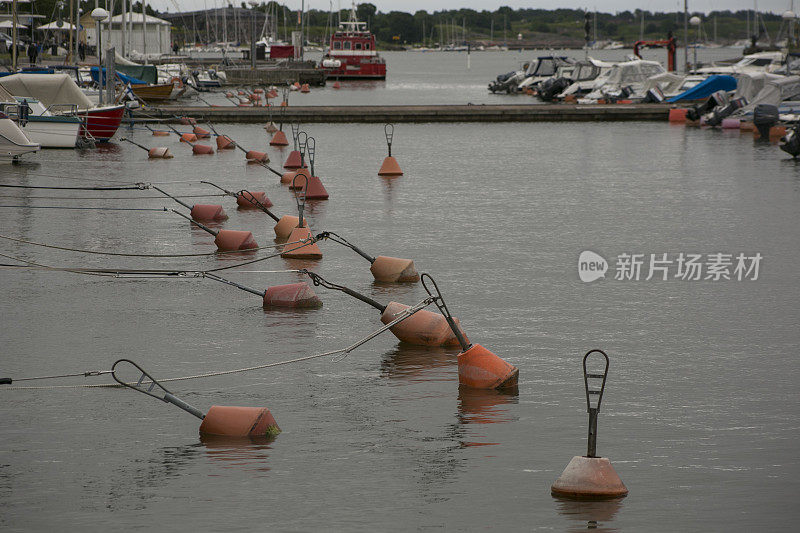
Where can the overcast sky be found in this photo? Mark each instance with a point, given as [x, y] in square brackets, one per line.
[607, 6]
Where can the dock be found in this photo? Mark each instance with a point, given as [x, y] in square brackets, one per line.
[413, 113]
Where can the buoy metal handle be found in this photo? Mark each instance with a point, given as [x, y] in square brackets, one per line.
[300, 201]
[142, 386]
[311, 147]
[245, 288]
[196, 223]
[434, 293]
[341, 240]
[184, 204]
[388, 130]
[320, 281]
[295, 131]
[302, 142]
[594, 397]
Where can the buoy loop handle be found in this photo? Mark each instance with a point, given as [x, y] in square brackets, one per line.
[388, 131]
[439, 301]
[146, 378]
[311, 146]
[592, 393]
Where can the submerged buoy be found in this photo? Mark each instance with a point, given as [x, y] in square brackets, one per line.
[279, 139]
[208, 213]
[424, 327]
[252, 199]
[188, 138]
[232, 421]
[299, 250]
[159, 152]
[394, 270]
[202, 149]
[293, 295]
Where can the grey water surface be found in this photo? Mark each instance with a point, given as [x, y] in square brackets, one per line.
[699, 417]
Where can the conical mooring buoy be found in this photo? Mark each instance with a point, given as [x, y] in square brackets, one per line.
[220, 420]
[301, 243]
[389, 168]
[159, 152]
[292, 295]
[201, 133]
[590, 477]
[227, 240]
[199, 212]
[279, 139]
[384, 269]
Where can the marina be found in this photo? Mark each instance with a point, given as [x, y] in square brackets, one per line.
[456, 297]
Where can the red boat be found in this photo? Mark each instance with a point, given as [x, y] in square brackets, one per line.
[352, 54]
[101, 122]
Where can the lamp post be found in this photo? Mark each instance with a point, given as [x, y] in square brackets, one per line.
[789, 17]
[695, 21]
[99, 14]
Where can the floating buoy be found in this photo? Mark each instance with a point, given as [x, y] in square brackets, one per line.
[199, 212]
[202, 149]
[296, 85]
[311, 185]
[241, 93]
[226, 421]
[188, 137]
[159, 152]
[298, 250]
[229, 95]
[336, 85]
[256, 157]
[158, 133]
[289, 177]
[677, 115]
[293, 162]
[730, 123]
[389, 168]
[590, 477]
[258, 91]
[271, 127]
[424, 327]
[313, 189]
[225, 143]
[187, 121]
[285, 103]
[305, 88]
[201, 133]
[252, 199]
[284, 226]
[279, 139]
[227, 240]
[293, 295]
[394, 270]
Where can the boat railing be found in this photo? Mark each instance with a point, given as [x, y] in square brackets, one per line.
[63, 109]
[17, 112]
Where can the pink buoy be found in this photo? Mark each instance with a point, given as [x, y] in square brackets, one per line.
[188, 138]
[294, 161]
[730, 123]
[228, 240]
[292, 295]
[257, 157]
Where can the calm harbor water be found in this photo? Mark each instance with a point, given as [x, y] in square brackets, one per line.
[699, 416]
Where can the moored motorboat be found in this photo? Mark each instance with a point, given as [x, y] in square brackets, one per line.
[13, 142]
[351, 53]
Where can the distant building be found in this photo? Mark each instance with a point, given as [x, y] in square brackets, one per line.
[157, 41]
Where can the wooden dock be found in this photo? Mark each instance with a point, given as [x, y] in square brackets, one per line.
[414, 113]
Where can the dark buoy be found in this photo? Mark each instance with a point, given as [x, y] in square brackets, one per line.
[389, 168]
[590, 477]
[227, 421]
[478, 367]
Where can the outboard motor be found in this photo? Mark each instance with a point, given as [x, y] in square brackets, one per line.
[654, 96]
[719, 98]
[553, 86]
[716, 117]
[791, 142]
[764, 117]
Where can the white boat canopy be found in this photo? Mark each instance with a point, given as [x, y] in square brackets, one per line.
[7, 25]
[53, 26]
[749, 84]
[50, 89]
[775, 92]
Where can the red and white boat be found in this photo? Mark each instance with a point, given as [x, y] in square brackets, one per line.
[352, 54]
[60, 94]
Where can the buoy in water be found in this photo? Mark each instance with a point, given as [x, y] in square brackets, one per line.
[256, 157]
[677, 115]
[288, 177]
[225, 143]
[229, 94]
[187, 121]
[201, 133]
[258, 91]
[313, 189]
[745, 125]
[228, 240]
[394, 270]
[160, 133]
[293, 162]
[301, 250]
[336, 85]
[480, 368]
[159, 152]
[202, 149]
[271, 127]
[208, 213]
[591, 477]
[279, 139]
[285, 104]
[252, 199]
[188, 138]
[230, 421]
[305, 88]
[389, 168]
[424, 327]
[283, 228]
[293, 295]
[730, 123]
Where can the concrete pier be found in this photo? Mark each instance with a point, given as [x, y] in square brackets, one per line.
[414, 113]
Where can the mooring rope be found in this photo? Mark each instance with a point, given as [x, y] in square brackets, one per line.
[79, 208]
[139, 186]
[400, 316]
[215, 195]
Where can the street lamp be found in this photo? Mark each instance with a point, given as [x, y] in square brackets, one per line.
[695, 21]
[789, 17]
[99, 14]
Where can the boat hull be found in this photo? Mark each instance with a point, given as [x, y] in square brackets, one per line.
[355, 68]
[101, 123]
[150, 93]
[13, 142]
[52, 133]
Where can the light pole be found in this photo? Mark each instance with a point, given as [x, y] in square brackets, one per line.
[695, 21]
[99, 14]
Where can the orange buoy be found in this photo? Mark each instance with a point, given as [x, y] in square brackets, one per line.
[313, 189]
[258, 91]
[305, 88]
[188, 138]
[160, 133]
[228, 240]
[271, 127]
[776, 132]
[292, 295]
[296, 85]
[241, 92]
[243, 104]
[225, 143]
[423, 327]
[677, 115]
[746, 126]
[394, 270]
[229, 94]
[336, 85]
[208, 213]
[231, 421]
[285, 226]
[279, 139]
[201, 133]
[589, 478]
[390, 168]
[479, 368]
[202, 149]
[285, 104]
[187, 121]
[570, 99]
[300, 250]
[272, 94]
[288, 177]
[256, 157]
[294, 161]
[252, 199]
[159, 152]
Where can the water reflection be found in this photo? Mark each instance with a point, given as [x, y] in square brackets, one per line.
[419, 363]
[248, 454]
[481, 406]
[594, 515]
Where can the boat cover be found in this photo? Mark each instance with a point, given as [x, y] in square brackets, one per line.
[122, 77]
[774, 92]
[748, 85]
[146, 73]
[706, 88]
[50, 89]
